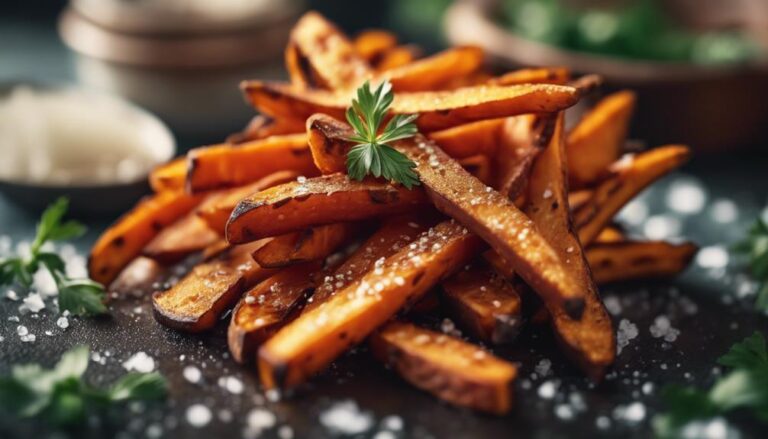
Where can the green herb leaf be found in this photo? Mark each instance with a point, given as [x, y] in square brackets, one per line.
[81, 296]
[750, 353]
[755, 246]
[373, 155]
[144, 386]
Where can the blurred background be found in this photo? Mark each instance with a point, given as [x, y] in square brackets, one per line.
[699, 66]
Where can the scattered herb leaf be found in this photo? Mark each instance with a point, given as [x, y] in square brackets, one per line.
[755, 246]
[373, 155]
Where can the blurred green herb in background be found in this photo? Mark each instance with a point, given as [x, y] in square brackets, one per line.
[755, 247]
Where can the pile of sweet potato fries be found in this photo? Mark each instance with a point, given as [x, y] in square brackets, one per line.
[512, 222]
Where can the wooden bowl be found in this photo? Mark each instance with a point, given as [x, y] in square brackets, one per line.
[709, 107]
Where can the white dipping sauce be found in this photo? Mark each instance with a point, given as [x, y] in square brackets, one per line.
[74, 137]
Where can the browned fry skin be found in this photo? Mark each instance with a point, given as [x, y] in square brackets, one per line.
[217, 207]
[225, 166]
[521, 139]
[267, 307]
[629, 178]
[626, 260]
[304, 246]
[169, 176]
[579, 199]
[436, 71]
[598, 139]
[437, 110]
[449, 368]
[125, 239]
[589, 342]
[261, 127]
[392, 236]
[474, 138]
[196, 302]
[479, 166]
[397, 57]
[542, 75]
[324, 55]
[484, 304]
[610, 234]
[318, 336]
[372, 44]
[428, 304]
[188, 235]
[493, 217]
[322, 200]
[328, 143]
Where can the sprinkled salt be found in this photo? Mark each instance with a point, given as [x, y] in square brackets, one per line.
[547, 193]
[634, 213]
[232, 384]
[627, 331]
[198, 415]
[662, 328]
[250, 299]
[392, 423]
[547, 389]
[714, 256]
[154, 431]
[564, 412]
[632, 413]
[543, 367]
[612, 304]
[273, 395]
[192, 374]
[301, 179]
[285, 432]
[11, 295]
[686, 195]
[22, 330]
[140, 362]
[715, 428]
[648, 388]
[603, 422]
[260, 419]
[724, 211]
[662, 227]
[345, 417]
[62, 322]
[33, 302]
[384, 435]
[44, 283]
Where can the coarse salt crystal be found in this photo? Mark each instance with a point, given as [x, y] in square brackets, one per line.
[345, 417]
[198, 415]
[62, 322]
[140, 362]
[547, 389]
[192, 374]
[627, 331]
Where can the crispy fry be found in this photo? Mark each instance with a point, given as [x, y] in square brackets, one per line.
[393, 235]
[610, 234]
[579, 199]
[434, 72]
[125, 239]
[463, 141]
[485, 305]
[397, 57]
[322, 200]
[522, 139]
[216, 208]
[169, 176]
[261, 127]
[541, 75]
[598, 139]
[629, 178]
[589, 342]
[449, 368]
[372, 44]
[188, 235]
[196, 302]
[304, 246]
[329, 57]
[479, 166]
[437, 110]
[328, 143]
[317, 337]
[267, 307]
[494, 218]
[627, 260]
[224, 166]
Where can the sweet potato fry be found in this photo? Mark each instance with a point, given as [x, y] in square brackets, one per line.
[169, 176]
[196, 302]
[434, 72]
[328, 199]
[598, 139]
[393, 235]
[541, 75]
[217, 207]
[261, 127]
[493, 217]
[589, 342]
[329, 57]
[627, 260]
[462, 141]
[485, 305]
[579, 199]
[304, 246]
[396, 57]
[629, 178]
[522, 139]
[373, 43]
[610, 234]
[138, 277]
[317, 337]
[224, 166]
[188, 235]
[267, 307]
[479, 166]
[125, 239]
[449, 368]
[328, 143]
[437, 110]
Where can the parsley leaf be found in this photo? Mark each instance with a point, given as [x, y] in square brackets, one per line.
[61, 397]
[745, 386]
[372, 154]
[755, 246]
[78, 296]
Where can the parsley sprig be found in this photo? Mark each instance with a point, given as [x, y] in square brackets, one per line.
[78, 296]
[373, 154]
[755, 246]
[744, 387]
[61, 397]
